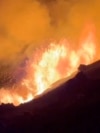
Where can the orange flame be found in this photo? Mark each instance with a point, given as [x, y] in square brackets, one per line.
[55, 62]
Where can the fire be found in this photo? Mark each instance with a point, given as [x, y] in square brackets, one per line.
[57, 61]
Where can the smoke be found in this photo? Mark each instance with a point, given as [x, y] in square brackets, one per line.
[25, 24]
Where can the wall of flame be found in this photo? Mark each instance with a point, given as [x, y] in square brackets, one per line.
[27, 24]
[48, 65]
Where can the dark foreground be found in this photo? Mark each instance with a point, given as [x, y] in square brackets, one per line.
[72, 107]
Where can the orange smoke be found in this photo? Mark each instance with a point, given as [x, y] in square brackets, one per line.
[57, 61]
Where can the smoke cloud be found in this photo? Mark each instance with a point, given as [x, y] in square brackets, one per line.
[25, 24]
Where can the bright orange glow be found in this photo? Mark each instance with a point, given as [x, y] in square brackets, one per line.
[48, 65]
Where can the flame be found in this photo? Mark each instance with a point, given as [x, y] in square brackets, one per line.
[48, 65]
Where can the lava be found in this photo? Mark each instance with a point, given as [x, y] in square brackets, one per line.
[47, 65]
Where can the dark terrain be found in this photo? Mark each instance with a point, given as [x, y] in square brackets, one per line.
[71, 107]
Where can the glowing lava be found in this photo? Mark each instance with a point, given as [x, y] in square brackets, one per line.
[48, 65]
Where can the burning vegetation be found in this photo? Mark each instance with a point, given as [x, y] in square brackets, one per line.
[24, 25]
[47, 65]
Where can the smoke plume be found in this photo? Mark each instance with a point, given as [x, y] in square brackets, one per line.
[26, 24]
